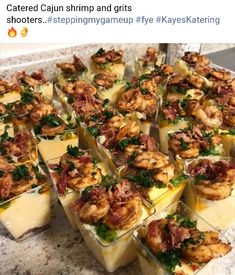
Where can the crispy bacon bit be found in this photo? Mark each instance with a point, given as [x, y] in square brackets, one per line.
[63, 180]
[148, 141]
[85, 159]
[211, 171]
[20, 145]
[122, 191]
[86, 104]
[177, 234]
[109, 133]
[170, 112]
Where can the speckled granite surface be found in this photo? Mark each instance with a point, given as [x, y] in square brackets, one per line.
[59, 250]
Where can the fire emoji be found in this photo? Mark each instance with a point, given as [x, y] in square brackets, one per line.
[12, 32]
[24, 32]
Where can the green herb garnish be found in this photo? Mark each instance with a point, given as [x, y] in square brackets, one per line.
[21, 172]
[1, 172]
[105, 102]
[100, 52]
[73, 151]
[93, 131]
[105, 233]
[51, 120]
[70, 99]
[26, 97]
[177, 180]
[125, 142]
[199, 177]
[184, 145]
[182, 220]
[4, 205]
[169, 259]
[108, 114]
[211, 151]
[143, 178]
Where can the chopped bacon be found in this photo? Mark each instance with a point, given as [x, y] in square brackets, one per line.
[153, 229]
[63, 181]
[148, 141]
[177, 234]
[122, 190]
[110, 137]
[97, 193]
[39, 75]
[87, 104]
[212, 171]
[170, 112]
[19, 145]
[85, 159]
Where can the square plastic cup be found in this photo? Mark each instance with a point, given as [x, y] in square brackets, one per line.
[70, 194]
[149, 263]
[27, 214]
[115, 254]
[220, 213]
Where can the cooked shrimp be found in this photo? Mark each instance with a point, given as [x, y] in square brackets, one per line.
[229, 117]
[131, 129]
[175, 79]
[231, 101]
[191, 149]
[105, 79]
[134, 100]
[76, 66]
[84, 87]
[40, 110]
[210, 237]
[115, 122]
[131, 149]
[165, 174]
[210, 116]
[196, 81]
[2, 109]
[23, 185]
[221, 74]
[124, 215]
[149, 85]
[6, 182]
[151, 160]
[7, 86]
[205, 253]
[91, 211]
[52, 131]
[102, 56]
[230, 175]
[213, 191]
[155, 236]
[88, 176]
[203, 60]
[202, 70]
[167, 69]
